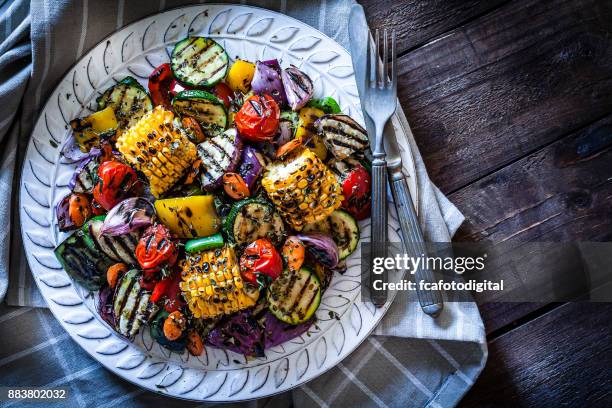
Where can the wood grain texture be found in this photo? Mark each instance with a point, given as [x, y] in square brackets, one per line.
[417, 21]
[506, 84]
[562, 358]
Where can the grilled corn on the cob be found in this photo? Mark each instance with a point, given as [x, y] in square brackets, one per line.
[302, 188]
[158, 149]
[212, 284]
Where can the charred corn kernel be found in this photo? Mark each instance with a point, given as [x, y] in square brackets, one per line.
[212, 284]
[302, 188]
[159, 149]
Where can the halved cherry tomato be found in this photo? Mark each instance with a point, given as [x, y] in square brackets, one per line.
[79, 209]
[258, 118]
[176, 87]
[194, 130]
[293, 252]
[115, 182]
[174, 325]
[194, 343]
[357, 190]
[288, 147]
[156, 250]
[159, 85]
[260, 258]
[235, 186]
[193, 172]
[224, 93]
[73, 211]
[114, 272]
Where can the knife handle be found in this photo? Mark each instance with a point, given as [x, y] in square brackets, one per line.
[379, 222]
[414, 242]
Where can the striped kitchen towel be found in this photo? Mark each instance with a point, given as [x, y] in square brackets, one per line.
[411, 360]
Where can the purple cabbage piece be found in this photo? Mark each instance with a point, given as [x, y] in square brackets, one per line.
[277, 331]
[239, 333]
[322, 247]
[105, 305]
[267, 80]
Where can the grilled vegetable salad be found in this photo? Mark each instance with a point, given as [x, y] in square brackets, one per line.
[215, 206]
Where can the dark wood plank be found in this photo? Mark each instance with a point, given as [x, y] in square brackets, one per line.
[563, 358]
[418, 21]
[506, 84]
[560, 193]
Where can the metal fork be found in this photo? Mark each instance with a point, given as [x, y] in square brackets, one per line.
[380, 102]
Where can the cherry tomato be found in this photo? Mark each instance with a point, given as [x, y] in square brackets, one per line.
[115, 182]
[294, 253]
[176, 87]
[260, 258]
[357, 190]
[224, 93]
[96, 208]
[159, 85]
[168, 289]
[194, 130]
[73, 211]
[156, 250]
[258, 118]
[288, 147]
[235, 186]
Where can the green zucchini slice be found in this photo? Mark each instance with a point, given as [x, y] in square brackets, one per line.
[343, 229]
[252, 219]
[294, 296]
[199, 61]
[131, 305]
[128, 99]
[204, 107]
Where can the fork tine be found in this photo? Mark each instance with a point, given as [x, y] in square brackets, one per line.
[393, 61]
[376, 59]
[385, 64]
[368, 74]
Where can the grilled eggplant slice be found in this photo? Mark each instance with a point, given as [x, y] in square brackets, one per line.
[343, 229]
[204, 107]
[342, 135]
[118, 248]
[131, 306]
[85, 265]
[252, 219]
[219, 155]
[199, 61]
[128, 99]
[295, 296]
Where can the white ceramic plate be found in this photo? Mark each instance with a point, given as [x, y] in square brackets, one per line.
[252, 34]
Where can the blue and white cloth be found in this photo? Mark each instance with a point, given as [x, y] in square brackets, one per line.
[410, 360]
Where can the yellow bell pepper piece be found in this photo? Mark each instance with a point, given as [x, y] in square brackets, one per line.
[189, 217]
[240, 76]
[87, 130]
[306, 130]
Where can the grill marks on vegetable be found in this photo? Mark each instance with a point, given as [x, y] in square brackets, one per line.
[131, 306]
[342, 135]
[295, 296]
[219, 155]
[129, 101]
[199, 61]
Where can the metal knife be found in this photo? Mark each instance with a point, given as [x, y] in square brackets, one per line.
[359, 34]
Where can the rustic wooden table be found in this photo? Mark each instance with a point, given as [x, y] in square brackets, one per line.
[510, 103]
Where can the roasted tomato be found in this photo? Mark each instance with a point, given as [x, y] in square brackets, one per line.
[160, 81]
[260, 259]
[115, 183]
[224, 93]
[73, 211]
[357, 190]
[169, 291]
[155, 251]
[258, 118]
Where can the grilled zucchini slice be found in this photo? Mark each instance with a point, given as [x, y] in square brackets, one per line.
[219, 155]
[131, 305]
[204, 107]
[252, 219]
[295, 296]
[342, 135]
[199, 61]
[85, 265]
[128, 99]
[343, 229]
